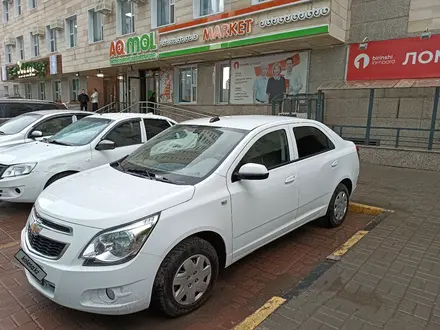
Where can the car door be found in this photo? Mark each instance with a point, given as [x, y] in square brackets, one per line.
[126, 135]
[50, 126]
[154, 126]
[316, 165]
[263, 210]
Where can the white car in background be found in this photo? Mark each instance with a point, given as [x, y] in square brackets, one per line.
[37, 125]
[156, 227]
[25, 170]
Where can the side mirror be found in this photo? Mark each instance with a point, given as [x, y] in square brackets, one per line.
[36, 134]
[105, 145]
[252, 171]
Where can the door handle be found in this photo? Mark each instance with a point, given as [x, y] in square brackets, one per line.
[290, 179]
[335, 163]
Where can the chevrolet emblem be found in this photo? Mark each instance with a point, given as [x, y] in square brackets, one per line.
[35, 228]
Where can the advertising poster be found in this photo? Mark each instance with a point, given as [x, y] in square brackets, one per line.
[166, 86]
[261, 80]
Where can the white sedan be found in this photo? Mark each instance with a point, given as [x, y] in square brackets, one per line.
[155, 228]
[36, 125]
[25, 170]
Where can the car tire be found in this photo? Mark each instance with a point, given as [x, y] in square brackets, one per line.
[173, 286]
[57, 177]
[338, 207]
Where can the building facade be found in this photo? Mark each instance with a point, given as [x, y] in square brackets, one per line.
[194, 53]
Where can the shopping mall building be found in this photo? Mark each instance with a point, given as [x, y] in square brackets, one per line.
[371, 68]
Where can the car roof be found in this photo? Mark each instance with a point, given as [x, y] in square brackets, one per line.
[21, 100]
[128, 115]
[57, 111]
[246, 122]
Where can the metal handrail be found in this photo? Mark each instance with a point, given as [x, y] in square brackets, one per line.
[393, 140]
[107, 106]
[159, 107]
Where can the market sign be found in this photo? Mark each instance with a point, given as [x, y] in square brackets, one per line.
[228, 30]
[295, 17]
[409, 58]
[135, 49]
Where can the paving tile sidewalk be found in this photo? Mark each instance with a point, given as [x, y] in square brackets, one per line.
[391, 278]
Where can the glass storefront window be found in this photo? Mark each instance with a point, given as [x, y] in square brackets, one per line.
[188, 84]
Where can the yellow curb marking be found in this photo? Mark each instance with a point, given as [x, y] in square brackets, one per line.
[7, 245]
[365, 209]
[254, 320]
[349, 244]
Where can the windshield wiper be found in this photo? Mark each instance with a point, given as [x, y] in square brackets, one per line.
[143, 173]
[165, 179]
[58, 142]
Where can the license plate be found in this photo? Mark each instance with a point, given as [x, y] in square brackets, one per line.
[30, 265]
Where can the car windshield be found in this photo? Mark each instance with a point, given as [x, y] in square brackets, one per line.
[81, 132]
[17, 124]
[183, 154]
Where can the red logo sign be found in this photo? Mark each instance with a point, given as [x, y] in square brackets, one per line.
[410, 58]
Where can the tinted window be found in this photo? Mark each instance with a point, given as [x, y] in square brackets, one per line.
[271, 150]
[126, 134]
[311, 141]
[13, 109]
[155, 126]
[53, 125]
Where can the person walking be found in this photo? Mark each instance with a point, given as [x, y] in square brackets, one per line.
[94, 100]
[83, 100]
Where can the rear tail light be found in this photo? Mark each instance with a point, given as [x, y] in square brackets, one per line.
[357, 150]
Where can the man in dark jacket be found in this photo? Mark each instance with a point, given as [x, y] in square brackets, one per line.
[83, 99]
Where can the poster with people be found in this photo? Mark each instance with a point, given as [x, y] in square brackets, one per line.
[166, 86]
[263, 80]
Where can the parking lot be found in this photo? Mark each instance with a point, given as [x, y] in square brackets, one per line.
[242, 288]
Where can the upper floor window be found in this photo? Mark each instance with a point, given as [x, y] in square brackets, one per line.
[35, 45]
[207, 7]
[125, 17]
[72, 31]
[8, 53]
[5, 7]
[20, 48]
[17, 4]
[51, 39]
[32, 4]
[96, 26]
[164, 10]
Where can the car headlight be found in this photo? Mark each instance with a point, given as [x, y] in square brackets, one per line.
[18, 169]
[118, 245]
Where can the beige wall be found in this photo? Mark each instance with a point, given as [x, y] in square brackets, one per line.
[424, 14]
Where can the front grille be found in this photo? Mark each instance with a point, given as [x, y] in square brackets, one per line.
[46, 246]
[55, 226]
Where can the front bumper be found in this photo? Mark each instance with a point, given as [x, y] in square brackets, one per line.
[20, 189]
[70, 284]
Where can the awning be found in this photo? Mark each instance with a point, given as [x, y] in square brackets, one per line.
[378, 84]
